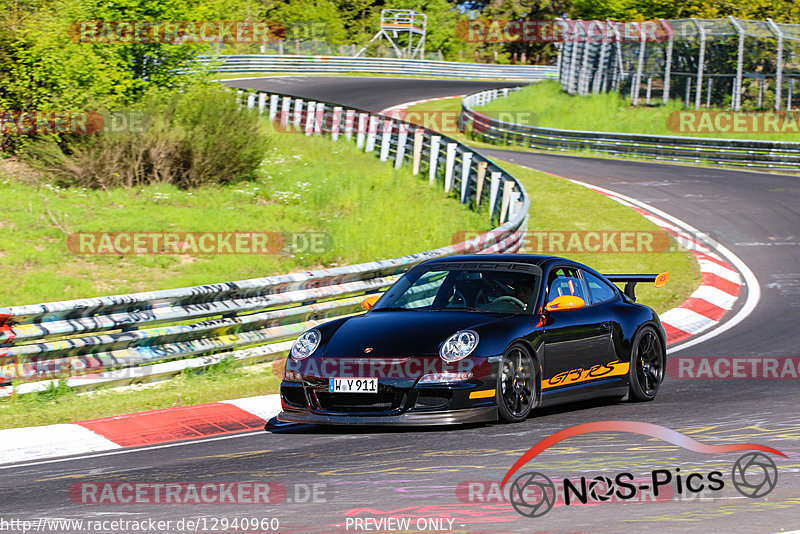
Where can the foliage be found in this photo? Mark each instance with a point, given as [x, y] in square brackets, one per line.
[190, 139]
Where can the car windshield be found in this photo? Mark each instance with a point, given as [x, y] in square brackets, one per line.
[498, 290]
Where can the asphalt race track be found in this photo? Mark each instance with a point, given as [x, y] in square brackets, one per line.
[423, 474]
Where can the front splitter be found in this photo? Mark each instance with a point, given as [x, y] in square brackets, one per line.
[468, 415]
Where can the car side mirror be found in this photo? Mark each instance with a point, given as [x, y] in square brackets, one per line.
[369, 302]
[565, 302]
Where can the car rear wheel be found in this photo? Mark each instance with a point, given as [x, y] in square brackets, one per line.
[516, 384]
[647, 365]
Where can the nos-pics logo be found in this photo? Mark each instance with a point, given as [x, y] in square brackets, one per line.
[533, 494]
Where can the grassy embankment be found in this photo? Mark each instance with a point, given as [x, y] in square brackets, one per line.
[545, 102]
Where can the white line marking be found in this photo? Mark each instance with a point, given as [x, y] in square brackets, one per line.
[32, 443]
[126, 451]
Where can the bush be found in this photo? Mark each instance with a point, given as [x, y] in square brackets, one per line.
[201, 136]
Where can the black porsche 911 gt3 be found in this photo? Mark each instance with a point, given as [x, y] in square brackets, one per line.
[475, 338]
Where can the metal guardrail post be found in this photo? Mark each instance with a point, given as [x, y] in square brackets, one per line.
[778, 63]
[637, 79]
[668, 62]
[700, 64]
[736, 95]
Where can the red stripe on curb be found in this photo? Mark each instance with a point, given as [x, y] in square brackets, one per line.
[174, 424]
[711, 279]
[674, 335]
[704, 308]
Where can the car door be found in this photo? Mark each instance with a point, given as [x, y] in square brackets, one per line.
[574, 340]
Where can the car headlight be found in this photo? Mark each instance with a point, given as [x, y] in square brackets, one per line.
[306, 344]
[459, 345]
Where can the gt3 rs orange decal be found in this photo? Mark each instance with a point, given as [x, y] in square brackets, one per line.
[575, 376]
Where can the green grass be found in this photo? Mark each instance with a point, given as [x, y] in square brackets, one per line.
[369, 211]
[544, 104]
[62, 405]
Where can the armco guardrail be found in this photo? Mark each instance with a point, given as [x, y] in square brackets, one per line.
[408, 67]
[140, 336]
[745, 153]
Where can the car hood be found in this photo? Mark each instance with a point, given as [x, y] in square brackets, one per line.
[401, 333]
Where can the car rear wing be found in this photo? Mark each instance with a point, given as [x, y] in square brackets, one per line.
[630, 280]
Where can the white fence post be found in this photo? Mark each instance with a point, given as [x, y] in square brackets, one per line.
[349, 120]
[362, 127]
[466, 165]
[508, 187]
[336, 122]
[319, 119]
[386, 138]
[273, 107]
[297, 116]
[435, 140]
[371, 133]
[311, 108]
[494, 188]
[402, 138]
[262, 103]
[479, 181]
[449, 164]
[418, 142]
[285, 110]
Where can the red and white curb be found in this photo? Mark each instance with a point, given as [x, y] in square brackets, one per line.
[723, 277]
[137, 430]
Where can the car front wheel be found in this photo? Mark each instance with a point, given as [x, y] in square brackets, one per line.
[516, 384]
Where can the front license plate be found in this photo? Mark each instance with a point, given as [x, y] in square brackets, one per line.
[353, 385]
